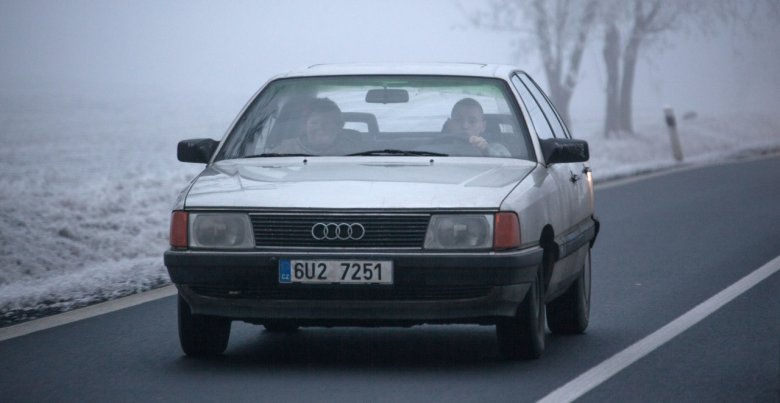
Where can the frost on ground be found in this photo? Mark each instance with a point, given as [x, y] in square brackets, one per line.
[705, 139]
[87, 190]
[88, 185]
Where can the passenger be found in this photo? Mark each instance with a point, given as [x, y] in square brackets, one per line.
[322, 129]
[468, 120]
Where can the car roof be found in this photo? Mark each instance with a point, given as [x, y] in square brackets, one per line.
[445, 69]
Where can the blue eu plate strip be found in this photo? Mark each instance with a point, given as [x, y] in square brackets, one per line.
[285, 276]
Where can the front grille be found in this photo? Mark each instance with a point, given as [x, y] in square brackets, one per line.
[342, 292]
[381, 231]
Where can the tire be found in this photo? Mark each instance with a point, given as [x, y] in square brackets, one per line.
[523, 336]
[202, 335]
[280, 327]
[570, 313]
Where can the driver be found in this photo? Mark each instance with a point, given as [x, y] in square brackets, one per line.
[322, 128]
[467, 120]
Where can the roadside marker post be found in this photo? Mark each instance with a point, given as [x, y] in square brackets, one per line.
[671, 123]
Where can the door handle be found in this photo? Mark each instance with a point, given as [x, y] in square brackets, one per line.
[574, 178]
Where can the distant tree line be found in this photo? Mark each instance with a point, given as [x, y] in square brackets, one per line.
[560, 30]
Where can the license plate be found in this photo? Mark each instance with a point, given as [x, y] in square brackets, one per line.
[336, 271]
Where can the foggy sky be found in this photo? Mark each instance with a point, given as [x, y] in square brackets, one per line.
[106, 47]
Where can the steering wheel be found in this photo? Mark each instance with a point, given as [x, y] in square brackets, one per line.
[456, 145]
[451, 139]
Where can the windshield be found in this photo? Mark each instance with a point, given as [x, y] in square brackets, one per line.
[381, 115]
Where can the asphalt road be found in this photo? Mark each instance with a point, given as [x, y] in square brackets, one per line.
[667, 244]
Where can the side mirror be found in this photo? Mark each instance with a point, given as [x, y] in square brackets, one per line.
[196, 150]
[558, 151]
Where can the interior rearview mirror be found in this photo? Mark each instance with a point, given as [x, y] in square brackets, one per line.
[387, 96]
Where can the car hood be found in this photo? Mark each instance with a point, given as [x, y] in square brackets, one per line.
[357, 182]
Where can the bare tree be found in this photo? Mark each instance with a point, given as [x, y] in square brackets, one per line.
[643, 22]
[612, 65]
[559, 29]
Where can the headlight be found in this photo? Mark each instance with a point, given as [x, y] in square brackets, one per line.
[460, 231]
[220, 230]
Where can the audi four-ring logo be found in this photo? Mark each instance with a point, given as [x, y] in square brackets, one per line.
[341, 231]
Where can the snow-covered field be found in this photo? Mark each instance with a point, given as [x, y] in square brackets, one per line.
[87, 187]
[704, 139]
[87, 184]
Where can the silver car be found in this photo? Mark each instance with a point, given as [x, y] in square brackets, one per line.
[387, 195]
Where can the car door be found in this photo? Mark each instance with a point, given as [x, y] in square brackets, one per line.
[582, 206]
[563, 203]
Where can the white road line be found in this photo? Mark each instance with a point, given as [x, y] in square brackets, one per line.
[601, 372]
[83, 313]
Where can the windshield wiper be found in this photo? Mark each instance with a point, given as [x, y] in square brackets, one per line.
[277, 155]
[399, 152]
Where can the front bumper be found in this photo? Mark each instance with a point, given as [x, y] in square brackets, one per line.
[428, 287]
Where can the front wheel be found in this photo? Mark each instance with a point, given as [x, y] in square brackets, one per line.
[202, 335]
[522, 336]
[570, 313]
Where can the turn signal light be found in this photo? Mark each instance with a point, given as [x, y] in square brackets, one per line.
[179, 229]
[506, 231]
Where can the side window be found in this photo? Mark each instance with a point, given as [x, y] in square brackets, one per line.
[538, 119]
[548, 109]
